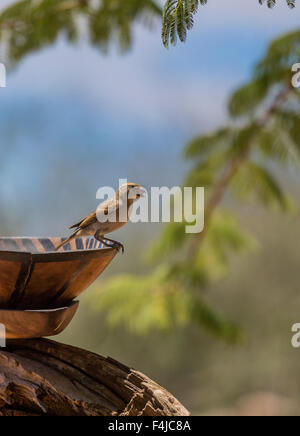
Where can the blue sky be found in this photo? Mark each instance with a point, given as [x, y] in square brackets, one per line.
[74, 117]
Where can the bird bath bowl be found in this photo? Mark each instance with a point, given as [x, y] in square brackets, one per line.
[35, 278]
[29, 324]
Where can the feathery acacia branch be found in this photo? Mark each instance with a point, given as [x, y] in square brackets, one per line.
[28, 25]
[234, 165]
[232, 159]
[178, 17]
[271, 3]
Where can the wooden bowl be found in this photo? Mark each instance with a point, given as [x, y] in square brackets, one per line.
[34, 276]
[29, 324]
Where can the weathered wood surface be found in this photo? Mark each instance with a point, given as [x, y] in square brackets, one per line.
[41, 377]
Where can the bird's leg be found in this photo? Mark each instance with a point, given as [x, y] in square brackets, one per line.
[104, 242]
[116, 244]
[99, 238]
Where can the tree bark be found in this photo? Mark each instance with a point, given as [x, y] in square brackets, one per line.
[45, 378]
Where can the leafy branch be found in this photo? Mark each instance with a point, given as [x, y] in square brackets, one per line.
[246, 139]
[30, 25]
[271, 3]
[238, 161]
[178, 17]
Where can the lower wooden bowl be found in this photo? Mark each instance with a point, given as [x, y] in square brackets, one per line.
[29, 324]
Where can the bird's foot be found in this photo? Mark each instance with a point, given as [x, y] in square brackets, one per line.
[113, 244]
[118, 246]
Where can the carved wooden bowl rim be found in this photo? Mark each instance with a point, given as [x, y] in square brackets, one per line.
[52, 254]
[37, 279]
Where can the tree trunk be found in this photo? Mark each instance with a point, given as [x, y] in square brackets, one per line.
[42, 377]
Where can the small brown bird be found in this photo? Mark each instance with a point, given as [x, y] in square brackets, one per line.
[114, 214]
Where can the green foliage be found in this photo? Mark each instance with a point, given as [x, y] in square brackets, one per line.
[178, 17]
[29, 25]
[280, 141]
[246, 99]
[173, 239]
[240, 159]
[155, 302]
[170, 296]
[205, 144]
[273, 71]
[255, 180]
[271, 3]
[205, 172]
[225, 236]
[209, 153]
[273, 142]
[224, 239]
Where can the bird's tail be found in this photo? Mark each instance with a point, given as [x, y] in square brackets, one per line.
[66, 241]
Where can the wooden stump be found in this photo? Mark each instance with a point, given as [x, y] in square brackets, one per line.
[42, 377]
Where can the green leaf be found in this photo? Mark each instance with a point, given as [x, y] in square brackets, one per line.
[277, 143]
[178, 17]
[208, 318]
[273, 72]
[243, 139]
[208, 143]
[253, 179]
[206, 171]
[172, 239]
[246, 99]
[288, 122]
[147, 303]
[223, 238]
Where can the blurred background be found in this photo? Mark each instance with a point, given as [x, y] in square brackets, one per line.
[73, 119]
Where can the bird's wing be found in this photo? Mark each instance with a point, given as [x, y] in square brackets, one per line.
[85, 222]
[75, 226]
[109, 207]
